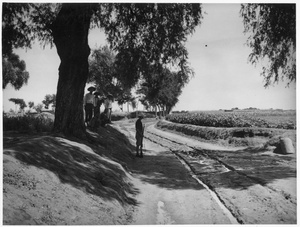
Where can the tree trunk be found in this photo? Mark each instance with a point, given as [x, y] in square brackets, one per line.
[70, 33]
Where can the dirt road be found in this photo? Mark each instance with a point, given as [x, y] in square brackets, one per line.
[183, 181]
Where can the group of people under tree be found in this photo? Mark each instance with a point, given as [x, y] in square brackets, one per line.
[92, 103]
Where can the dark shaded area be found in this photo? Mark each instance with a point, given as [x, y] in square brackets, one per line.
[243, 134]
[164, 170]
[74, 165]
[111, 142]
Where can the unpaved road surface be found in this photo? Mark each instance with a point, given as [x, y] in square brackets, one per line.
[183, 181]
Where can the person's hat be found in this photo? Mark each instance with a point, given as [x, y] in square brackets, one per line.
[141, 115]
[91, 88]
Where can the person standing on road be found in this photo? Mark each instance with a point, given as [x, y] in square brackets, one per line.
[139, 127]
[88, 102]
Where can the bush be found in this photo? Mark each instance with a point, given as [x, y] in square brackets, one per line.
[27, 123]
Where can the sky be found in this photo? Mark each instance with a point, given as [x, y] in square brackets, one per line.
[223, 79]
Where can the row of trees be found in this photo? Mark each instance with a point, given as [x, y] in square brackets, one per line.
[157, 87]
[49, 99]
[146, 37]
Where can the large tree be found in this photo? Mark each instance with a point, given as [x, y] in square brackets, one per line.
[272, 37]
[140, 33]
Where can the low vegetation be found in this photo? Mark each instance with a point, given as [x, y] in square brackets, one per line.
[239, 136]
[28, 123]
[43, 122]
[258, 118]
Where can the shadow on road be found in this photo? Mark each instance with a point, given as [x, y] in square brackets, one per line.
[164, 170]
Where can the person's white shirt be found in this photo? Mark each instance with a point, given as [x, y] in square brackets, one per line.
[89, 98]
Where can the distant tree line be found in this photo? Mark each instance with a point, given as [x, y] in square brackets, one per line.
[48, 100]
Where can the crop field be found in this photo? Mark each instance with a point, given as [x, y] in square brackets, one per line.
[284, 119]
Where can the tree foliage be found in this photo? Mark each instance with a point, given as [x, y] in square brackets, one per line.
[272, 29]
[172, 84]
[102, 69]
[14, 71]
[30, 104]
[161, 87]
[38, 107]
[49, 99]
[22, 23]
[19, 102]
[102, 72]
[146, 34]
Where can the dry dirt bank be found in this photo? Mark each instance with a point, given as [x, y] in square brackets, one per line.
[61, 181]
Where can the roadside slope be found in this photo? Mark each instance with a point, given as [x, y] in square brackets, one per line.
[61, 181]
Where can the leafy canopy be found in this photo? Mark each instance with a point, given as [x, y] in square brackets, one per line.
[272, 29]
[14, 71]
[161, 87]
[19, 102]
[146, 34]
[22, 23]
[30, 104]
[102, 70]
[49, 99]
